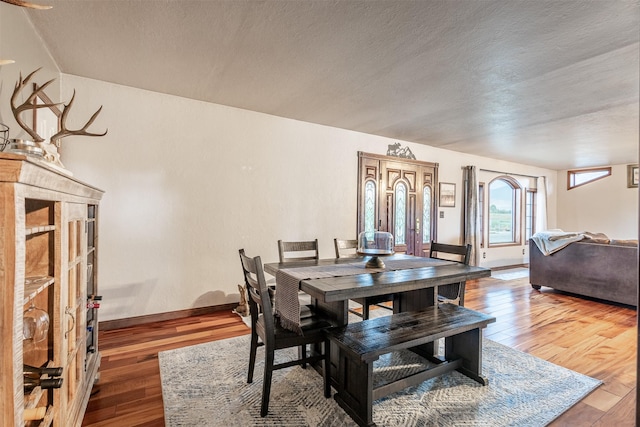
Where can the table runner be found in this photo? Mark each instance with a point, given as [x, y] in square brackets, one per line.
[287, 304]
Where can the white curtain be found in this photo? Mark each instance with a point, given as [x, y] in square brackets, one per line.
[541, 204]
[470, 198]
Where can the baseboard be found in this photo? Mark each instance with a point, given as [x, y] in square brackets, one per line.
[158, 317]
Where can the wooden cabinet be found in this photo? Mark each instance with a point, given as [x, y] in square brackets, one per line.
[48, 270]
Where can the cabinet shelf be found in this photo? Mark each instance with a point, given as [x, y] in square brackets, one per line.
[48, 418]
[74, 262]
[31, 399]
[34, 285]
[39, 229]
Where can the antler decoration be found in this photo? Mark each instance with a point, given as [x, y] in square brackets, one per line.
[30, 104]
[27, 4]
[67, 132]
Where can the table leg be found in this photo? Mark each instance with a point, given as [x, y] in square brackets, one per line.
[338, 311]
[413, 300]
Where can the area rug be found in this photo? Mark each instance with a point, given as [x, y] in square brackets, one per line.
[510, 274]
[205, 385]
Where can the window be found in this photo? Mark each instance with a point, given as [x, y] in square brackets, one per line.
[504, 194]
[530, 214]
[400, 214]
[426, 214]
[576, 178]
[481, 212]
[370, 206]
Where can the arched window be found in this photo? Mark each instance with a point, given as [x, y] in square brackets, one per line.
[426, 214]
[504, 208]
[370, 206]
[400, 214]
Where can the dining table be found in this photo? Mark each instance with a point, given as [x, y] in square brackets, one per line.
[332, 282]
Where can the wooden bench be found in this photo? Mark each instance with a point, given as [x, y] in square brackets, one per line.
[361, 343]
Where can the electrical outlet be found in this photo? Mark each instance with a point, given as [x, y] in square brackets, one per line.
[523, 252]
[484, 254]
[441, 214]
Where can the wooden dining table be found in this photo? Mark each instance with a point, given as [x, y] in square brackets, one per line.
[331, 283]
[414, 281]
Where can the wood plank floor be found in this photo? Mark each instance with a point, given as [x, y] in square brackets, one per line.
[594, 338]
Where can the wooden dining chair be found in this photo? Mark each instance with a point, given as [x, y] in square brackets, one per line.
[287, 251]
[452, 293]
[298, 251]
[266, 327]
[343, 250]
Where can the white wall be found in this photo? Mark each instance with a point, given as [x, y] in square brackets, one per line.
[189, 183]
[605, 206]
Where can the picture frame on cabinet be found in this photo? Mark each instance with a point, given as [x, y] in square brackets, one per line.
[632, 176]
[447, 195]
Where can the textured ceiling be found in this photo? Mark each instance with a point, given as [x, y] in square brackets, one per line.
[547, 83]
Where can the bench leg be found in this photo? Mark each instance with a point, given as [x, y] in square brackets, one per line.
[468, 346]
[355, 389]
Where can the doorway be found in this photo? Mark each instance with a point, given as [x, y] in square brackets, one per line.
[398, 196]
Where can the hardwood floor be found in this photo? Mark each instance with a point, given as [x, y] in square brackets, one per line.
[594, 338]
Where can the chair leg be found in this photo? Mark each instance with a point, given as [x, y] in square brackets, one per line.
[266, 382]
[252, 355]
[302, 354]
[461, 293]
[365, 310]
[326, 377]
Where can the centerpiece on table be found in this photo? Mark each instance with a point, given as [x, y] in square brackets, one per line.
[376, 244]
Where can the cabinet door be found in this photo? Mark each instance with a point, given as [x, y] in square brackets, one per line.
[74, 301]
[93, 299]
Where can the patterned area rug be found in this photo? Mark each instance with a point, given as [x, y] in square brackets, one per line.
[205, 385]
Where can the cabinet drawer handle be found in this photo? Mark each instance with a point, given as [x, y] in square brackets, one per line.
[69, 311]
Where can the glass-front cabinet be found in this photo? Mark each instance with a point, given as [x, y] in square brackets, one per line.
[49, 359]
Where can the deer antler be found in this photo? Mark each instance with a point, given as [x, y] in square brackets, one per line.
[82, 131]
[27, 4]
[30, 104]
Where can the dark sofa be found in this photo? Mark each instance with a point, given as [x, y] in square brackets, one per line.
[604, 271]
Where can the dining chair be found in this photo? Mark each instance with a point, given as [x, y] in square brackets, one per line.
[452, 293]
[266, 327]
[306, 250]
[343, 250]
[298, 251]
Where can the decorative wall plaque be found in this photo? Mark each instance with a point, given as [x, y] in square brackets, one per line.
[403, 152]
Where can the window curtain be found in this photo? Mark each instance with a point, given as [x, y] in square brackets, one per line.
[470, 198]
[541, 204]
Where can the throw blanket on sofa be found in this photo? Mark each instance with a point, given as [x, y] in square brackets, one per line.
[551, 241]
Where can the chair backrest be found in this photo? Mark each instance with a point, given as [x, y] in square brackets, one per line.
[307, 250]
[460, 252]
[345, 248]
[259, 299]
